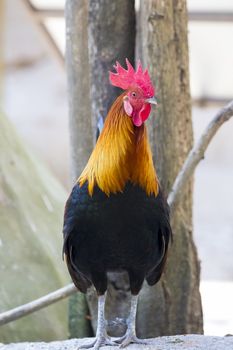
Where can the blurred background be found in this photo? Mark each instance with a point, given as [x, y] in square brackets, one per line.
[34, 99]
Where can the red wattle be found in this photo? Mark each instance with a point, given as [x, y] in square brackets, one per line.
[145, 111]
[142, 115]
[137, 120]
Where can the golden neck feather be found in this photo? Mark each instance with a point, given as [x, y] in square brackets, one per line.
[122, 154]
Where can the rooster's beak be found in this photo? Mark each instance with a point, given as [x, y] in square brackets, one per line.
[152, 101]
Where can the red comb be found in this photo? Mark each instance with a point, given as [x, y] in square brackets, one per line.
[126, 78]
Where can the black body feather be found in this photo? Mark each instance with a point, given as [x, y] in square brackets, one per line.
[126, 231]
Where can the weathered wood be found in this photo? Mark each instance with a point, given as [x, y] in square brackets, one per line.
[81, 137]
[111, 38]
[78, 84]
[98, 34]
[178, 342]
[176, 306]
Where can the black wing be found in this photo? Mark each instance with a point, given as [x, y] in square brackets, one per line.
[74, 209]
[165, 236]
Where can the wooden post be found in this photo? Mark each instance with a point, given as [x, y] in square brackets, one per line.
[81, 138]
[174, 305]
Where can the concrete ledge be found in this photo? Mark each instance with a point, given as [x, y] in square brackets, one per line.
[178, 342]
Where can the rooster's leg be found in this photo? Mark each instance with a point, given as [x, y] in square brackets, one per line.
[101, 335]
[130, 335]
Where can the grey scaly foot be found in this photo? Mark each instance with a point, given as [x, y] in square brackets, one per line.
[129, 338]
[101, 335]
[130, 335]
[99, 341]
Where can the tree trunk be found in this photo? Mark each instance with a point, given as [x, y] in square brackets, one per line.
[78, 84]
[111, 38]
[99, 32]
[174, 305]
[80, 126]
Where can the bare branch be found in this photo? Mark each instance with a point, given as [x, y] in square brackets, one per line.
[194, 157]
[197, 153]
[37, 304]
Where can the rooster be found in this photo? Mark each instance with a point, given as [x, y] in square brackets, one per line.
[116, 218]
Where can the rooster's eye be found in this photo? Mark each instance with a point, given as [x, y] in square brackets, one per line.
[134, 94]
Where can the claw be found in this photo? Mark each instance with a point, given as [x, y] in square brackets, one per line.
[120, 340]
[97, 343]
[128, 339]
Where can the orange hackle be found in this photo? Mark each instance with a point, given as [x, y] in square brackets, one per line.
[122, 154]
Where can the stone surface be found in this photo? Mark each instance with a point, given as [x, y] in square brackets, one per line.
[31, 211]
[190, 342]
